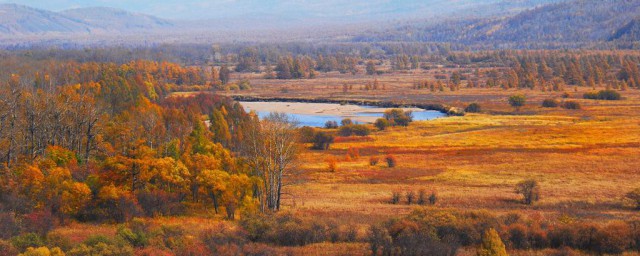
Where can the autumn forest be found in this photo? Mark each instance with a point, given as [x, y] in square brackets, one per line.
[429, 147]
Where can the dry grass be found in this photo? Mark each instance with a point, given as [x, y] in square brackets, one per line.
[584, 160]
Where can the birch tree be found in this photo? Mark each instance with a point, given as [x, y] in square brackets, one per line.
[271, 152]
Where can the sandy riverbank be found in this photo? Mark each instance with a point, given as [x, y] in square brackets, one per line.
[320, 109]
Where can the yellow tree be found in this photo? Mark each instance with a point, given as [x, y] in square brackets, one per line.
[62, 194]
[214, 183]
[169, 174]
[237, 194]
[492, 244]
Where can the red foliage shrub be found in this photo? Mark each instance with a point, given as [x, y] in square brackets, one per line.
[39, 222]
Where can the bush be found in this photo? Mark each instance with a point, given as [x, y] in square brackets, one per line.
[332, 163]
[433, 198]
[55, 239]
[224, 240]
[562, 236]
[353, 153]
[391, 161]
[8, 226]
[7, 249]
[354, 129]
[408, 237]
[571, 105]
[290, 230]
[346, 122]
[39, 222]
[381, 124]
[22, 242]
[307, 134]
[422, 197]
[410, 196]
[257, 226]
[473, 108]
[322, 141]
[398, 117]
[244, 84]
[350, 234]
[101, 245]
[395, 197]
[380, 240]
[135, 236]
[159, 203]
[120, 209]
[609, 95]
[517, 101]
[518, 238]
[373, 161]
[331, 125]
[529, 190]
[43, 251]
[361, 130]
[285, 229]
[635, 197]
[602, 95]
[550, 103]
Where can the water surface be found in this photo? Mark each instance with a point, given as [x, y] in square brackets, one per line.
[317, 114]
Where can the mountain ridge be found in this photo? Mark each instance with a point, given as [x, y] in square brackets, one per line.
[18, 19]
[576, 21]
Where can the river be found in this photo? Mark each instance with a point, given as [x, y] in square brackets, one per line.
[317, 114]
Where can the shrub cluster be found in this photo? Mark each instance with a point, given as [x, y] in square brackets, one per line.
[571, 105]
[354, 130]
[550, 103]
[473, 108]
[603, 95]
[381, 124]
[444, 231]
[398, 117]
[287, 229]
[419, 198]
[322, 140]
[331, 124]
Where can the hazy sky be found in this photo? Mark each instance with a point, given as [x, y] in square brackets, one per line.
[197, 9]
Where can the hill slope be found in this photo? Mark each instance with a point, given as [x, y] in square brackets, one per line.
[116, 19]
[18, 20]
[22, 20]
[566, 22]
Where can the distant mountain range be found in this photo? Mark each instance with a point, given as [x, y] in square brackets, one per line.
[509, 22]
[578, 21]
[251, 14]
[22, 20]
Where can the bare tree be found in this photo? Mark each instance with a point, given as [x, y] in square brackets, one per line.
[271, 151]
[529, 189]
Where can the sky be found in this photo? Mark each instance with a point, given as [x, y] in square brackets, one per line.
[210, 9]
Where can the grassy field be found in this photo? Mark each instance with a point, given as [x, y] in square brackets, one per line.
[584, 166]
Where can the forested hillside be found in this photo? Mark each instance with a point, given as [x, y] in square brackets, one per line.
[567, 23]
